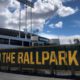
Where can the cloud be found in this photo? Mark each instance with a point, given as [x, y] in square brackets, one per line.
[41, 12]
[66, 11]
[2, 20]
[51, 25]
[3, 4]
[68, 39]
[50, 36]
[59, 24]
[62, 38]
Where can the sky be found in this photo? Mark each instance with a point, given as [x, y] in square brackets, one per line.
[52, 18]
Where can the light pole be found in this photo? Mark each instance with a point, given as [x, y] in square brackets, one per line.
[19, 22]
[31, 21]
[26, 20]
[26, 2]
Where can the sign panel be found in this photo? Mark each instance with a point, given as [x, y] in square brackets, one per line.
[50, 57]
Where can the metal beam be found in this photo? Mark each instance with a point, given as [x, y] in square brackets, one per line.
[27, 2]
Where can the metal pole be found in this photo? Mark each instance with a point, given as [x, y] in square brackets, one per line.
[31, 21]
[19, 22]
[26, 21]
[31, 25]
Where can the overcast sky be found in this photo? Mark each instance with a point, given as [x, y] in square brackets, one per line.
[53, 18]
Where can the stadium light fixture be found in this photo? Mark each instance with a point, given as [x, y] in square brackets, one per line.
[27, 2]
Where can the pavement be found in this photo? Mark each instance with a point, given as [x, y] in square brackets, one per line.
[11, 76]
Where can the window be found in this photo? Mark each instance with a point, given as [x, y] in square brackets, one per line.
[16, 42]
[35, 44]
[4, 41]
[28, 36]
[41, 44]
[26, 43]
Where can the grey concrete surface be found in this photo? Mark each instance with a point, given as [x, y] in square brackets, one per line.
[10, 76]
